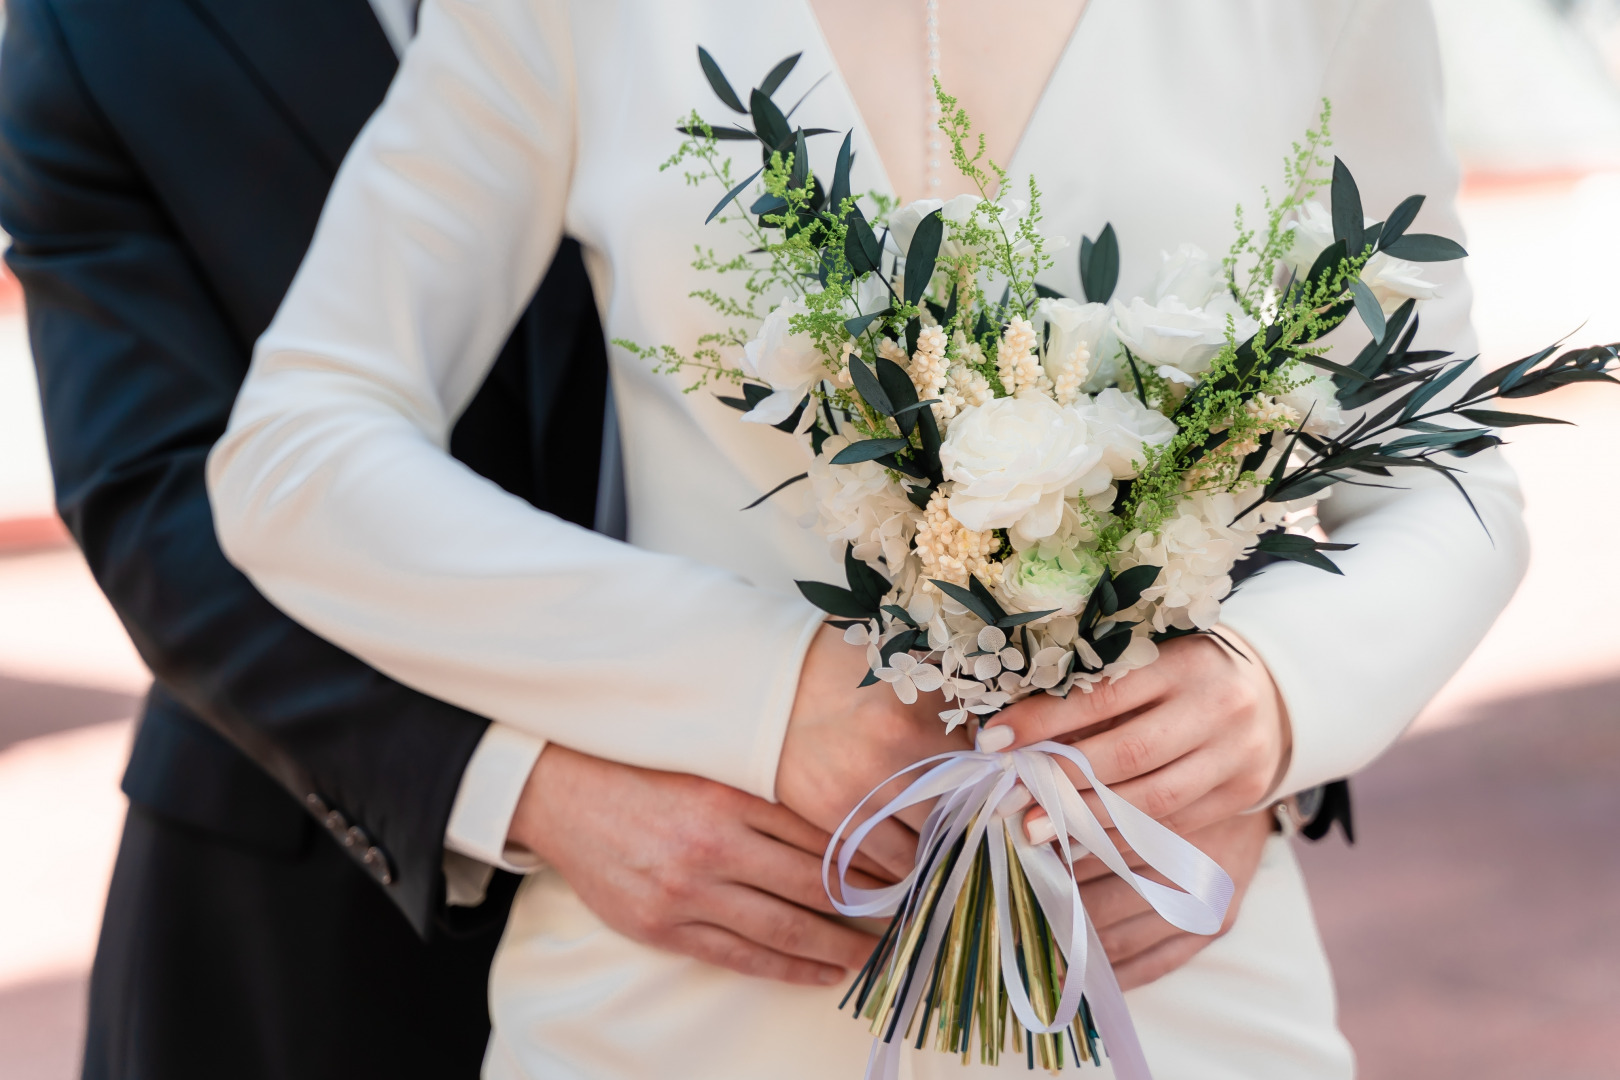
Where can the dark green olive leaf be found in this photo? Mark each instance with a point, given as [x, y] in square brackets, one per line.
[868, 450]
[799, 174]
[1128, 586]
[1368, 308]
[740, 404]
[1541, 383]
[904, 641]
[867, 385]
[928, 456]
[1099, 265]
[922, 255]
[778, 73]
[769, 123]
[1349, 225]
[902, 614]
[901, 391]
[857, 326]
[1474, 446]
[779, 487]
[717, 80]
[967, 600]
[1426, 247]
[1428, 393]
[977, 588]
[767, 204]
[732, 194]
[1327, 262]
[1428, 440]
[1107, 598]
[868, 586]
[1111, 646]
[1400, 219]
[1007, 622]
[835, 601]
[1492, 418]
[1508, 375]
[1047, 293]
[1301, 549]
[722, 132]
[861, 248]
[840, 185]
[1349, 374]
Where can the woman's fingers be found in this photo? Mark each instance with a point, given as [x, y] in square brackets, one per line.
[1161, 959]
[1046, 717]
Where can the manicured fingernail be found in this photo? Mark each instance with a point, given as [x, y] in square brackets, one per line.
[1014, 801]
[992, 739]
[1040, 830]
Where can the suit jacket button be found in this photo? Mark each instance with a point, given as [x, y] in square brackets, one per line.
[336, 823]
[356, 837]
[377, 863]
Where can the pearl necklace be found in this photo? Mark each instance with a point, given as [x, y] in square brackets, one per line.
[932, 133]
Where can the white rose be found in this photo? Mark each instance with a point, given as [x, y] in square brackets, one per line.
[1120, 425]
[1014, 460]
[787, 362]
[1188, 275]
[1066, 325]
[1393, 281]
[1316, 400]
[1174, 334]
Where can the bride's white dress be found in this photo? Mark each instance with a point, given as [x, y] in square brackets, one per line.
[514, 121]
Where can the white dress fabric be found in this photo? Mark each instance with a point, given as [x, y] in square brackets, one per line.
[515, 121]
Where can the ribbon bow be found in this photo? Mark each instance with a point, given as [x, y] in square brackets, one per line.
[969, 786]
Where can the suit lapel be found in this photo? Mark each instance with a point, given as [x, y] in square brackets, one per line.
[324, 64]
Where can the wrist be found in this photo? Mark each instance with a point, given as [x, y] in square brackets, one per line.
[1272, 711]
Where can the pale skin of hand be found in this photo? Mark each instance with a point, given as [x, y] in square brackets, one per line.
[701, 869]
[689, 866]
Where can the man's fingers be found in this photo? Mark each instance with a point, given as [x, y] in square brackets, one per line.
[1046, 717]
[722, 948]
[789, 929]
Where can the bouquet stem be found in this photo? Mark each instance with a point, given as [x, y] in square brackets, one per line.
[966, 993]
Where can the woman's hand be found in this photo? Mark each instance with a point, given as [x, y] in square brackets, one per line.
[1193, 738]
[1139, 943]
[844, 739]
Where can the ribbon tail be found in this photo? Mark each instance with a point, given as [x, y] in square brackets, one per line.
[1113, 1018]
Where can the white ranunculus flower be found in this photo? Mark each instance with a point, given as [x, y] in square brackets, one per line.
[1173, 333]
[787, 362]
[1072, 324]
[1050, 577]
[1188, 275]
[1013, 461]
[1393, 281]
[1317, 401]
[1120, 425]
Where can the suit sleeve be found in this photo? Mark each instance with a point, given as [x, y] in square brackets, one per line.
[1357, 657]
[138, 369]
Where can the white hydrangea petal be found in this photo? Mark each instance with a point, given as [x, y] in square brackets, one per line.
[927, 678]
[992, 639]
[856, 634]
[905, 690]
[1012, 659]
[986, 668]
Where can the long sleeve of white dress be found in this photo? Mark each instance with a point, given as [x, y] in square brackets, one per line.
[1357, 657]
[510, 119]
[335, 491]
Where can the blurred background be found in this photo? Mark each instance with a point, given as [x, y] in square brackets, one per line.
[1469, 926]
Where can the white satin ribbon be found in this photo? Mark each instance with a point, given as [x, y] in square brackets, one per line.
[969, 786]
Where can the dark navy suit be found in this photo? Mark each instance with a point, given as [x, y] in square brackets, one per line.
[277, 909]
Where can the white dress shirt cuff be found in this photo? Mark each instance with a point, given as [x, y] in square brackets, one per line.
[493, 781]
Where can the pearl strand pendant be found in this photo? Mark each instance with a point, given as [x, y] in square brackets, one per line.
[933, 136]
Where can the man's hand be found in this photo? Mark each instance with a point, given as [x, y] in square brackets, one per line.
[689, 865]
[1142, 946]
[844, 739]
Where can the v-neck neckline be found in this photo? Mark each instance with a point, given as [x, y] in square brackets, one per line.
[837, 73]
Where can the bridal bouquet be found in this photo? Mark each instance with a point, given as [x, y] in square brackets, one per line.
[1030, 492]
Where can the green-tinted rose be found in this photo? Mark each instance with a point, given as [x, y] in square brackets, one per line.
[1042, 578]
